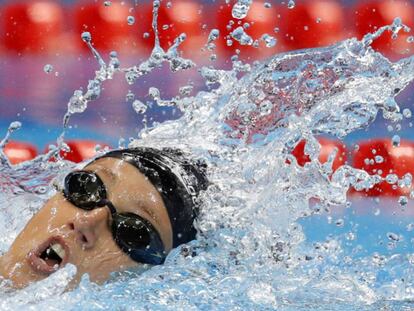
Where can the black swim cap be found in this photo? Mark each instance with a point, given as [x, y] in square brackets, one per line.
[178, 179]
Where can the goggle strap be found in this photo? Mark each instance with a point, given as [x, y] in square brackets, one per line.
[106, 202]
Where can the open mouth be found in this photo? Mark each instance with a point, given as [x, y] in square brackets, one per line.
[49, 256]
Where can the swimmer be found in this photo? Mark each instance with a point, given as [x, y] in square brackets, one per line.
[125, 209]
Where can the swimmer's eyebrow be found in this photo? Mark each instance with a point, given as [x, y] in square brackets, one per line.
[101, 170]
[108, 173]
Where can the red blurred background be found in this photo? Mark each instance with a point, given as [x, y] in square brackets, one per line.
[43, 60]
[49, 27]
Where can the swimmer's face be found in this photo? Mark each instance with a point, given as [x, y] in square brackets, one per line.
[84, 238]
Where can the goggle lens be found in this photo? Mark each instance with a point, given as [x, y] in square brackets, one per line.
[131, 231]
[84, 189]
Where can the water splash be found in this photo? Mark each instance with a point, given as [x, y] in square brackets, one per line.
[251, 252]
[4, 161]
[78, 103]
[306, 81]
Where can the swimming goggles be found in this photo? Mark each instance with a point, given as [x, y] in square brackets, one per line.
[135, 235]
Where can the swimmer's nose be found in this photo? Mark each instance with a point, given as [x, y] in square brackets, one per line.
[88, 225]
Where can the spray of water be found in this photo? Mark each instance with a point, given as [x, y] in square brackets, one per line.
[250, 252]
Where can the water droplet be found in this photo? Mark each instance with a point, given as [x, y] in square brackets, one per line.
[396, 140]
[403, 200]
[48, 68]
[107, 3]
[214, 34]
[391, 178]
[165, 27]
[77, 103]
[240, 9]
[407, 113]
[154, 93]
[291, 4]
[267, 5]
[318, 20]
[146, 35]
[340, 222]
[410, 39]
[407, 180]
[269, 40]
[15, 125]
[131, 20]
[129, 96]
[86, 36]
[243, 38]
[379, 159]
[350, 236]
[139, 106]
[211, 46]
[410, 227]
[98, 147]
[169, 5]
[393, 236]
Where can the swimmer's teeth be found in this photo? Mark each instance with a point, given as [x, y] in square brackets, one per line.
[58, 250]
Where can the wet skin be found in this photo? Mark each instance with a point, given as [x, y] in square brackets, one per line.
[86, 235]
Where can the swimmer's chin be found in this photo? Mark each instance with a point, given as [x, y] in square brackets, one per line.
[15, 273]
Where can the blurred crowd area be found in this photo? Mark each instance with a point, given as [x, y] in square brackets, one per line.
[43, 59]
[50, 27]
